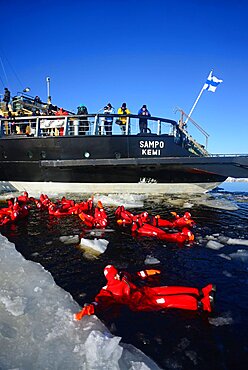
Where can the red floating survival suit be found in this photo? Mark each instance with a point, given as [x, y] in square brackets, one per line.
[122, 291]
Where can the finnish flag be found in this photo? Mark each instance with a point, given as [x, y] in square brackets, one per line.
[211, 83]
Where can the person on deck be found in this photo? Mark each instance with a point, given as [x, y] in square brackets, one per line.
[6, 97]
[123, 121]
[83, 123]
[120, 290]
[61, 112]
[37, 99]
[143, 121]
[108, 121]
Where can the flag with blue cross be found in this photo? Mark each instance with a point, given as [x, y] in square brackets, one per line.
[212, 83]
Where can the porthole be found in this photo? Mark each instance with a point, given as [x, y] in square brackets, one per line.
[87, 154]
[117, 155]
[30, 155]
[4, 155]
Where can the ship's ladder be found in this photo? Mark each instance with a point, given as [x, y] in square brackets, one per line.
[200, 149]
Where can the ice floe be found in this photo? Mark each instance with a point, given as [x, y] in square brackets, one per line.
[231, 241]
[221, 320]
[241, 255]
[37, 328]
[70, 239]
[217, 241]
[98, 245]
[127, 200]
[213, 244]
[150, 260]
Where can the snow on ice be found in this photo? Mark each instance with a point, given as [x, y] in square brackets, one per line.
[37, 329]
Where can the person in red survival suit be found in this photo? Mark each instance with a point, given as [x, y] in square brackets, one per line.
[120, 290]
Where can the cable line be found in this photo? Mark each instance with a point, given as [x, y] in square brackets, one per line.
[2, 81]
[1, 61]
[14, 72]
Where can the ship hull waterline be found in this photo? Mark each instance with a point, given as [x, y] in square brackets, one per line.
[110, 188]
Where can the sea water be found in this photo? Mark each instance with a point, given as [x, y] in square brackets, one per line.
[174, 339]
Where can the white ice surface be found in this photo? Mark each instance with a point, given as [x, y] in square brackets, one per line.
[241, 255]
[231, 241]
[127, 200]
[212, 244]
[37, 329]
[150, 260]
[217, 203]
[217, 241]
[226, 319]
[98, 245]
[69, 239]
[205, 200]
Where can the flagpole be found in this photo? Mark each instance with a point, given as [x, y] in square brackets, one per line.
[198, 97]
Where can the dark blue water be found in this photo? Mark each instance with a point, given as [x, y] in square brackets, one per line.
[175, 339]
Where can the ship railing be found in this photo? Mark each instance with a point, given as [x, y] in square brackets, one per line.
[74, 125]
[183, 124]
[228, 155]
[95, 124]
[91, 124]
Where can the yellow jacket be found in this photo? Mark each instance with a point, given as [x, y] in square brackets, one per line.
[124, 119]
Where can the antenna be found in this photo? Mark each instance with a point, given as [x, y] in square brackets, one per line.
[49, 99]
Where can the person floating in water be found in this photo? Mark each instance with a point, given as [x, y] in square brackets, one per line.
[120, 290]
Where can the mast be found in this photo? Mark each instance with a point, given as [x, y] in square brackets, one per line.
[49, 99]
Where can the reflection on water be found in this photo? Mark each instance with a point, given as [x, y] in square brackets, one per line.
[174, 339]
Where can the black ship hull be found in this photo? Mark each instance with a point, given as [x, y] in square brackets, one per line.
[141, 163]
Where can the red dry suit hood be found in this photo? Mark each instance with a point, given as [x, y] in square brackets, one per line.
[110, 272]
